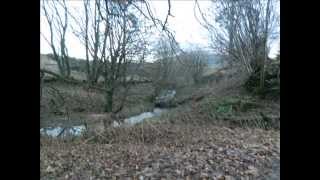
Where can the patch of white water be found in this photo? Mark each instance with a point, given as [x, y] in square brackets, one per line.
[56, 131]
[141, 117]
[78, 130]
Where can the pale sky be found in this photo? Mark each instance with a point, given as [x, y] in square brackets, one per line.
[187, 29]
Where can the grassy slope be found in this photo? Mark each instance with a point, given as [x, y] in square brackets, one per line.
[188, 144]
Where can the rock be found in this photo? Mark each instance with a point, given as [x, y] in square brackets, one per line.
[252, 170]
[204, 175]
[221, 177]
[244, 178]
[229, 178]
[148, 172]
[50, 169]
[165, 99]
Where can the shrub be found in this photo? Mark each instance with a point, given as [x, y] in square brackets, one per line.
[272, 83]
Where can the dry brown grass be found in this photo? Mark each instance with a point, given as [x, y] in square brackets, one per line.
[61, 100]
[181, 143]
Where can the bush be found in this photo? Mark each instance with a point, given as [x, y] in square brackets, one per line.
[229, 106]
[272, 84]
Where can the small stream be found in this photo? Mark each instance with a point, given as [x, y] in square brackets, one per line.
[59, 131]
[141, 117]
[161, 101]
[63, 131]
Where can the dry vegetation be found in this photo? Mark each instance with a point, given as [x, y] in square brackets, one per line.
[60, 98]
[220, 123]
[188, 142]
[167, 152]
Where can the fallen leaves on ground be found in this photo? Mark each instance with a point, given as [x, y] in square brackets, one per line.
[211, 153]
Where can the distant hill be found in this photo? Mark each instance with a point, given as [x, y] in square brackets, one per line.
[47, 61]
[77, 65]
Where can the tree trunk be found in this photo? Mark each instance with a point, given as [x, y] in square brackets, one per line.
[196, 78]
[67, 66]
[60, 66]
[262, 72]
[109, 101]
[108, 109]
[264, 59]
[278, 76]
[41, 85]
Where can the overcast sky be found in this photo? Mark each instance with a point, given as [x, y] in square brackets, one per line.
[187, 29]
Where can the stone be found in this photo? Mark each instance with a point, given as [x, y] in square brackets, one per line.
[165, 98]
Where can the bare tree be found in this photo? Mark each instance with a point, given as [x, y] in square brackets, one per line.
[123, 45]
[41, 85]
[195, 61]
[58, 24]
[90, 32]
[164, 65]
[114, 37]
[245, 27]
[91, 29]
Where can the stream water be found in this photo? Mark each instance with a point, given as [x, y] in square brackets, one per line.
[79, 129]
[164, 97]
[63, 131]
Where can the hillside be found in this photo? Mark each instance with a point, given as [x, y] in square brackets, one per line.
[164, 95]
[78, 68]
[200, 138]
[188, 142]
